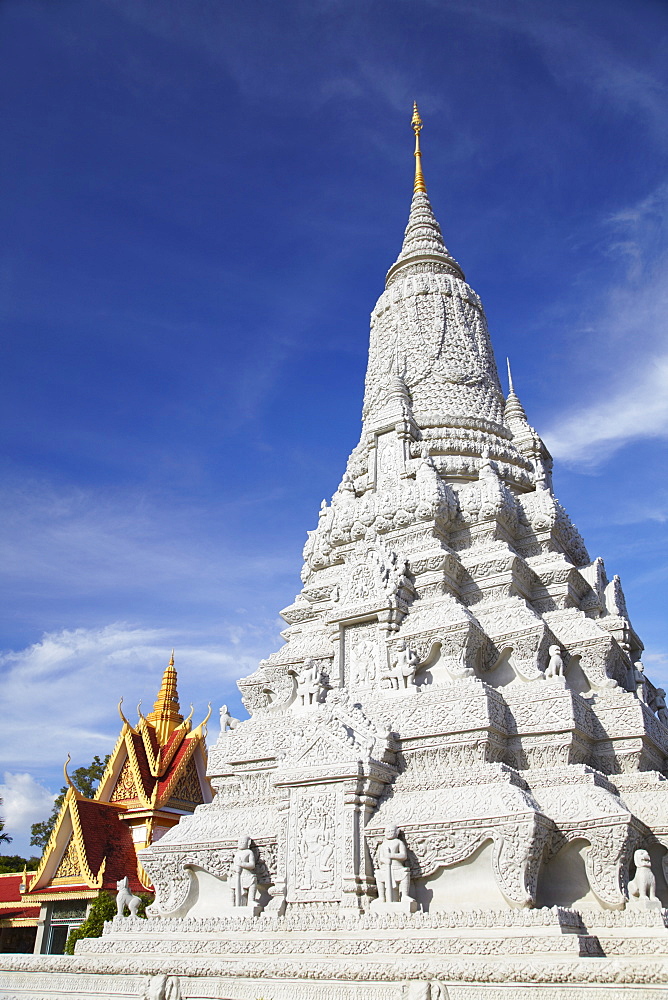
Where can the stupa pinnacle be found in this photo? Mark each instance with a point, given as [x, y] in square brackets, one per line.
[452, 781]
[416, 123]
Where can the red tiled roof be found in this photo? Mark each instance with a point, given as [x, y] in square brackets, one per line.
[10, 893]
[9, 887]
[105, 835]
[175, 738]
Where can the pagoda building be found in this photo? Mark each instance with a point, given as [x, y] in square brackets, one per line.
[155, 775]
[453, 781]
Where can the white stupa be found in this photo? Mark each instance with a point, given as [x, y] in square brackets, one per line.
[451, 783]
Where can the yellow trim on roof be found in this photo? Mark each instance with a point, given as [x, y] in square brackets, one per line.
[111, 765]
[136, 771]
[52, 897]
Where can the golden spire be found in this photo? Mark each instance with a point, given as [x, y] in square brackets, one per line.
[166, 714]
[416, 123]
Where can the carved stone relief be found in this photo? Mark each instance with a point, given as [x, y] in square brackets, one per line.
[314, 848]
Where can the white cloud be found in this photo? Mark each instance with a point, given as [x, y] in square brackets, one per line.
[638, 408]
[25, 801]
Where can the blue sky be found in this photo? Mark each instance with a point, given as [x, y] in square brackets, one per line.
[199, 202]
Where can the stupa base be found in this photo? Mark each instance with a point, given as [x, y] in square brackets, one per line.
[496, 955]
[55, 986]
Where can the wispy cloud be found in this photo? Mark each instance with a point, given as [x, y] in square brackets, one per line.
[636, 409]
[626, 342]
[577, 51]
[64, 544]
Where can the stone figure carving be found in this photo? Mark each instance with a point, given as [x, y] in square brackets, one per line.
[163, 988]
[640, 681]
[227, 721]
[310, 684]
[392, 872]
[364, 671]
[244, 876]
[643, 886]
[660, 705]
[487, 469]
[316, 847]
[404, 663]
[125, 897]
[555, 666]
[403, 587]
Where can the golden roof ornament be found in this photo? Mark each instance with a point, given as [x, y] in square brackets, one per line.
[166, 714]
[68, 780]
[416, 124]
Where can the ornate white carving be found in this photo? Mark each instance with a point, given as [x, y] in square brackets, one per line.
[243, 876]
[403, 665]
[125, 897]
[643, 886]
[227, 721]
[314, 848]
[392, 873]
[310, 683]
[555, 667]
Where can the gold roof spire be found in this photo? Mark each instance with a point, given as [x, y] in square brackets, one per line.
[416, 123]
[166, 714]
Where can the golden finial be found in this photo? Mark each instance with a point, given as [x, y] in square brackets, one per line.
[171, 661]
[202, 725]
[123, 719]
[67, 777]
[416, 124]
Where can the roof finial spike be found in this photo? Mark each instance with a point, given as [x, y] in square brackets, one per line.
[511, 388]
[513, 411]
[171, 660]
[67, 777]
[123, 719]
[416, 124]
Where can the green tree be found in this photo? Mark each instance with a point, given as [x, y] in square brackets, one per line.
[103, 908]
[83, 778]
[15, 863]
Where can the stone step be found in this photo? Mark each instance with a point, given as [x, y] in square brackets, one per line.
[651, 947]
[290, 947]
